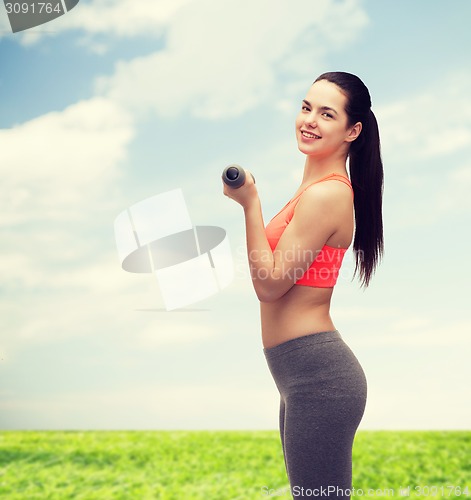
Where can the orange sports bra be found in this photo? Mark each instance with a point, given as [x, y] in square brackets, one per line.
[325, 268]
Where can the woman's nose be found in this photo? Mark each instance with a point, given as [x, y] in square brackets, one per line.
[310, 119]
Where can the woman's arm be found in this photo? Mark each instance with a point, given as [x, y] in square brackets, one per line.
[314, 221]
[260, 255]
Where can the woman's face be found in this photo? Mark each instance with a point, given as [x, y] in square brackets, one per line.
[322, 123]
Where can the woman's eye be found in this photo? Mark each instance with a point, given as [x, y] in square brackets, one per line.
[305, 107]
[328, 115]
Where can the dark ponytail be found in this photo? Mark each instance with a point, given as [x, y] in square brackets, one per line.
[366, 175]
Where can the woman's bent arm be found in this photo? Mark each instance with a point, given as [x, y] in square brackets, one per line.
[316, 217]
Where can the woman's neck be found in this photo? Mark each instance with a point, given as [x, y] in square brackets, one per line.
[317, 168]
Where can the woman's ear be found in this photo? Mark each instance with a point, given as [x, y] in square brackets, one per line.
[354, 132]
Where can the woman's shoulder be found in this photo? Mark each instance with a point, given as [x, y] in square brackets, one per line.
[327, 191]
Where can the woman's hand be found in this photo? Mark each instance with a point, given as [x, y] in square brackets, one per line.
[246, 195]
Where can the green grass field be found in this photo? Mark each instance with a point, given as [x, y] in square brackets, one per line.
[218, 465]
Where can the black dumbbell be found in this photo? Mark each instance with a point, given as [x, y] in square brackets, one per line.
[234, 176]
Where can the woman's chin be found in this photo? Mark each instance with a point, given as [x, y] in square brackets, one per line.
[305, 149]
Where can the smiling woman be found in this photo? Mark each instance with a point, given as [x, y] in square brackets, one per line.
[294, 263]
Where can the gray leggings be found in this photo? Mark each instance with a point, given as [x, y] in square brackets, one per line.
[322, 399]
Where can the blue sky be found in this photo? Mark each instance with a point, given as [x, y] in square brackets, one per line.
[120, 100]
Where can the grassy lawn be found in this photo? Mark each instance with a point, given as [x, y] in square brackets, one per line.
[218, 465]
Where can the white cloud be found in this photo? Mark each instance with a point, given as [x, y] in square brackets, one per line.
[433, 123]
[29, 270]
[55, 164]
[59, 174]
[173, 330]
[396, 403]
[416, 331]
[406, 405]
[222, 59]
[122, 18]
[216, 406]
[454, 195]
[116, 18]
[88, 299]
[59, 314]
[246, 20]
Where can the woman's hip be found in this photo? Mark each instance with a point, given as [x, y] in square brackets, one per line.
[317, 365]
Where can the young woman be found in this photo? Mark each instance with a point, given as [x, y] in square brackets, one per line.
[294, 263]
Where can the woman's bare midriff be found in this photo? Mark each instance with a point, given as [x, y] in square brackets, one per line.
[303, 310]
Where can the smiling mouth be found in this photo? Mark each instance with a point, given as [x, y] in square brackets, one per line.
[309, 135]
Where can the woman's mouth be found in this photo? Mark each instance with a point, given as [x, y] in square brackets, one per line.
[309, 135]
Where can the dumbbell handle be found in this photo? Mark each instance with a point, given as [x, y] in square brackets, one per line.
[234, 176]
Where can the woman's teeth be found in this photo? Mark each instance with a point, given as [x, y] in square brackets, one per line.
[310, 136]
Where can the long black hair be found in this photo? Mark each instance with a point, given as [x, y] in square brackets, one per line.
[366, 174]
